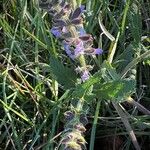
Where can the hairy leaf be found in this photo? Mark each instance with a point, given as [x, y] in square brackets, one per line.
[64, 75]
[85, 89]
[117, 90]
[108, 72]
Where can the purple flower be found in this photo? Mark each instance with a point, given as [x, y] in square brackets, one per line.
[56, 32]
[76, 13]
[82, 7]
[98, 51]
[79, 49]
[85, 75]
[64, 30]
[68, 51]
[93, 51]
[75, 16]
[81, 31]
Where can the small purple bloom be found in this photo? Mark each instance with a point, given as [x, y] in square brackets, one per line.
[79, 49]
[85, 75]
[93, 51]
[82, 7]
[64, 30]
[56, 32]
[98, 51]
[68, 51]
[81, 31]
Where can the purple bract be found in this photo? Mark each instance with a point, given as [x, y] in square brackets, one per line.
[56, 32]
[85, 75]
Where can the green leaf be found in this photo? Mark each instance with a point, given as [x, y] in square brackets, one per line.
[135, 23]
[64, 75]
[108, 72]
[125, 57]
[86, 88]
[117, 90]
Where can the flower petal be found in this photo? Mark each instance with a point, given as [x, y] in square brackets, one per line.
[81, 31]
[56, 32]
[93, 51]
[59, 23]
[79, 49]
[98, 51]
[68, 51]
[85, 75]
[76, 13]
[86, 37]
[82, 7]
[77, 21]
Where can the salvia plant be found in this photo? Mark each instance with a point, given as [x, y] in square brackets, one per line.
[68, 28]
[74, 74]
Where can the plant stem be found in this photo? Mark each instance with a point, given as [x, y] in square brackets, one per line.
[113, 50]
[92, 138]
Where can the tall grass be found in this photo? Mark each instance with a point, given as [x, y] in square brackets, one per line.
[35, 91]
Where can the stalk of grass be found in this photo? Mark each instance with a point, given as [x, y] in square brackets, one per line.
[127, 125]
[4, 90]
[135, 62]
[92, 138]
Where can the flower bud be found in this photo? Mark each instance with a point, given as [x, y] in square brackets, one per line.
[69, 115]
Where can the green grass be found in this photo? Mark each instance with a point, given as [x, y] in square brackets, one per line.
[33, 100]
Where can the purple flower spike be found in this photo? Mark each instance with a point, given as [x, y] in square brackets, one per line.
[98, 51]
[85, 75]
[56, 32]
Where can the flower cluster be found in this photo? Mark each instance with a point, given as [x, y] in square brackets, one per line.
[68, 26]
[73, 138]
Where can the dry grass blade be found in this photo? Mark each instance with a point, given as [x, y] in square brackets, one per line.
[127, 125]
[139, 106]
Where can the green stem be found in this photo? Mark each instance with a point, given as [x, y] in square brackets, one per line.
[113, 50]
[134, 62]
[92, 138]
[82, 61]
[125, 16]
[80, 105]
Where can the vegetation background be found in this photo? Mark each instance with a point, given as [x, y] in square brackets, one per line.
[32, 98]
